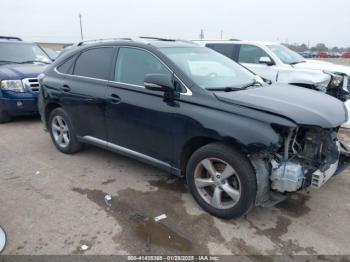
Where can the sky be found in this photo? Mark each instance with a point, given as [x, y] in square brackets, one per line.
[289, 21]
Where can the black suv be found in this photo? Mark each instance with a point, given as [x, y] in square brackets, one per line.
[196, 114]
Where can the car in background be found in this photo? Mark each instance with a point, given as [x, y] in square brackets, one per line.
[196, 114]
[51, 53]
[278, 63]
[346, 55]
[324, 55]
[20, 64]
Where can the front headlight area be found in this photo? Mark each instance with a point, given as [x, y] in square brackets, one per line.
[12, 85]
[337, 80]
[309, 157]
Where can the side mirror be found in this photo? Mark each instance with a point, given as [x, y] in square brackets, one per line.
[265, 60]
[160, 82]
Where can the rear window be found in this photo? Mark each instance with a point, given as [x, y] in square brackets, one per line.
[95, 63]
[67, 66]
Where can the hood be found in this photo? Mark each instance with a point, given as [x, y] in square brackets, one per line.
[301, 75]
[301, 105]
[325, 66]
[20, 71]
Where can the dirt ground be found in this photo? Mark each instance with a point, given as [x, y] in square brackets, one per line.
[340, 61]
[51, 203]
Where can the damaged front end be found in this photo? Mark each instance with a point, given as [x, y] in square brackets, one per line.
[308, 156]
[339, 86]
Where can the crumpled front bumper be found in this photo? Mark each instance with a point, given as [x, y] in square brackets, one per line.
[319, 178]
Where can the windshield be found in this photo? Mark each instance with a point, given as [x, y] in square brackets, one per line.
[207, 68]
[286, 55]
[22, 52]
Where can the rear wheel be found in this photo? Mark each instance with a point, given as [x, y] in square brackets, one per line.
[221, 180]
[62, 132]
[4, 117]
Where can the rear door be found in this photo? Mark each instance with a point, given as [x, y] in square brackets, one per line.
[249, 56]
[84, 91]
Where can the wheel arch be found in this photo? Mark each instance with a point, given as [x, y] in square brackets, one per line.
[48, 109]
[194, 143]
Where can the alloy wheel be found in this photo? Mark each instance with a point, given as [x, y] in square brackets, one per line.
[60, 131]
[217, 183]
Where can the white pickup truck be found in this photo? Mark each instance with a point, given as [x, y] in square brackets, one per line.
[277, 63]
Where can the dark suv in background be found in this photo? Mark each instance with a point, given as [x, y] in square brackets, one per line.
[196, 114]
[20, 64]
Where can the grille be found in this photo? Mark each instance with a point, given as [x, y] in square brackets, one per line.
[31, 84]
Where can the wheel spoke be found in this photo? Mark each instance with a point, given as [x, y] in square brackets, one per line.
[55, 127]
[60, 122]
[228, 171]
[216, 199]
[233, 193]
[203, 182]
[65, 138]
[208, 165]
[60, 138]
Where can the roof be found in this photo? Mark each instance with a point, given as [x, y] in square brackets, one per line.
[203, 42]
[153, 41]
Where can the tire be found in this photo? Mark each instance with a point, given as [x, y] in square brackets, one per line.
[61, 128]
[233, 183]
[4, 117]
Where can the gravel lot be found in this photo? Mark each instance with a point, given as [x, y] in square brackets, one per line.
[51, 203]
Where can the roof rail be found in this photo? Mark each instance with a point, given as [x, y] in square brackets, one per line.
[235, 39]
[103, 40]
[157, 38]
[10, 38]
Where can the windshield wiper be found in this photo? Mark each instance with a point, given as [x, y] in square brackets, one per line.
[233, 88]
[33, 61]
[6, 61]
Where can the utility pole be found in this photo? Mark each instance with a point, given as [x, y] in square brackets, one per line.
[81, 28]
[221, 34]
[201, 35]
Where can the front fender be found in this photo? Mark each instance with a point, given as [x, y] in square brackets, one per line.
[304, 77]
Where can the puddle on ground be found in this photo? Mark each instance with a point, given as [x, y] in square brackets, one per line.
[180, 232]
[295, 205]
[275, 235]
[143, 227]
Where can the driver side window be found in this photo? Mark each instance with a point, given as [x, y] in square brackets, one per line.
[251, 54]
[133, 64]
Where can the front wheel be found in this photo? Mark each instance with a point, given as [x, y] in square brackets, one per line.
[62, 132]
[221, 180]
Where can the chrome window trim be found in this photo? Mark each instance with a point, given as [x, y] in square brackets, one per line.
[125, 150]
[187, 93]
[77, 76]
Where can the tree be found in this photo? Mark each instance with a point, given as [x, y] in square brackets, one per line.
[335, 49]
[321, 47]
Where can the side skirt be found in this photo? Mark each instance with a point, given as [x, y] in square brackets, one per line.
[130, 153]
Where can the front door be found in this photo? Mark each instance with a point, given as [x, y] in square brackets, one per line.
[249, 56]
[138, 121]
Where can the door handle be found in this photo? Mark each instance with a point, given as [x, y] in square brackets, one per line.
[65, 88]
[114, 99]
